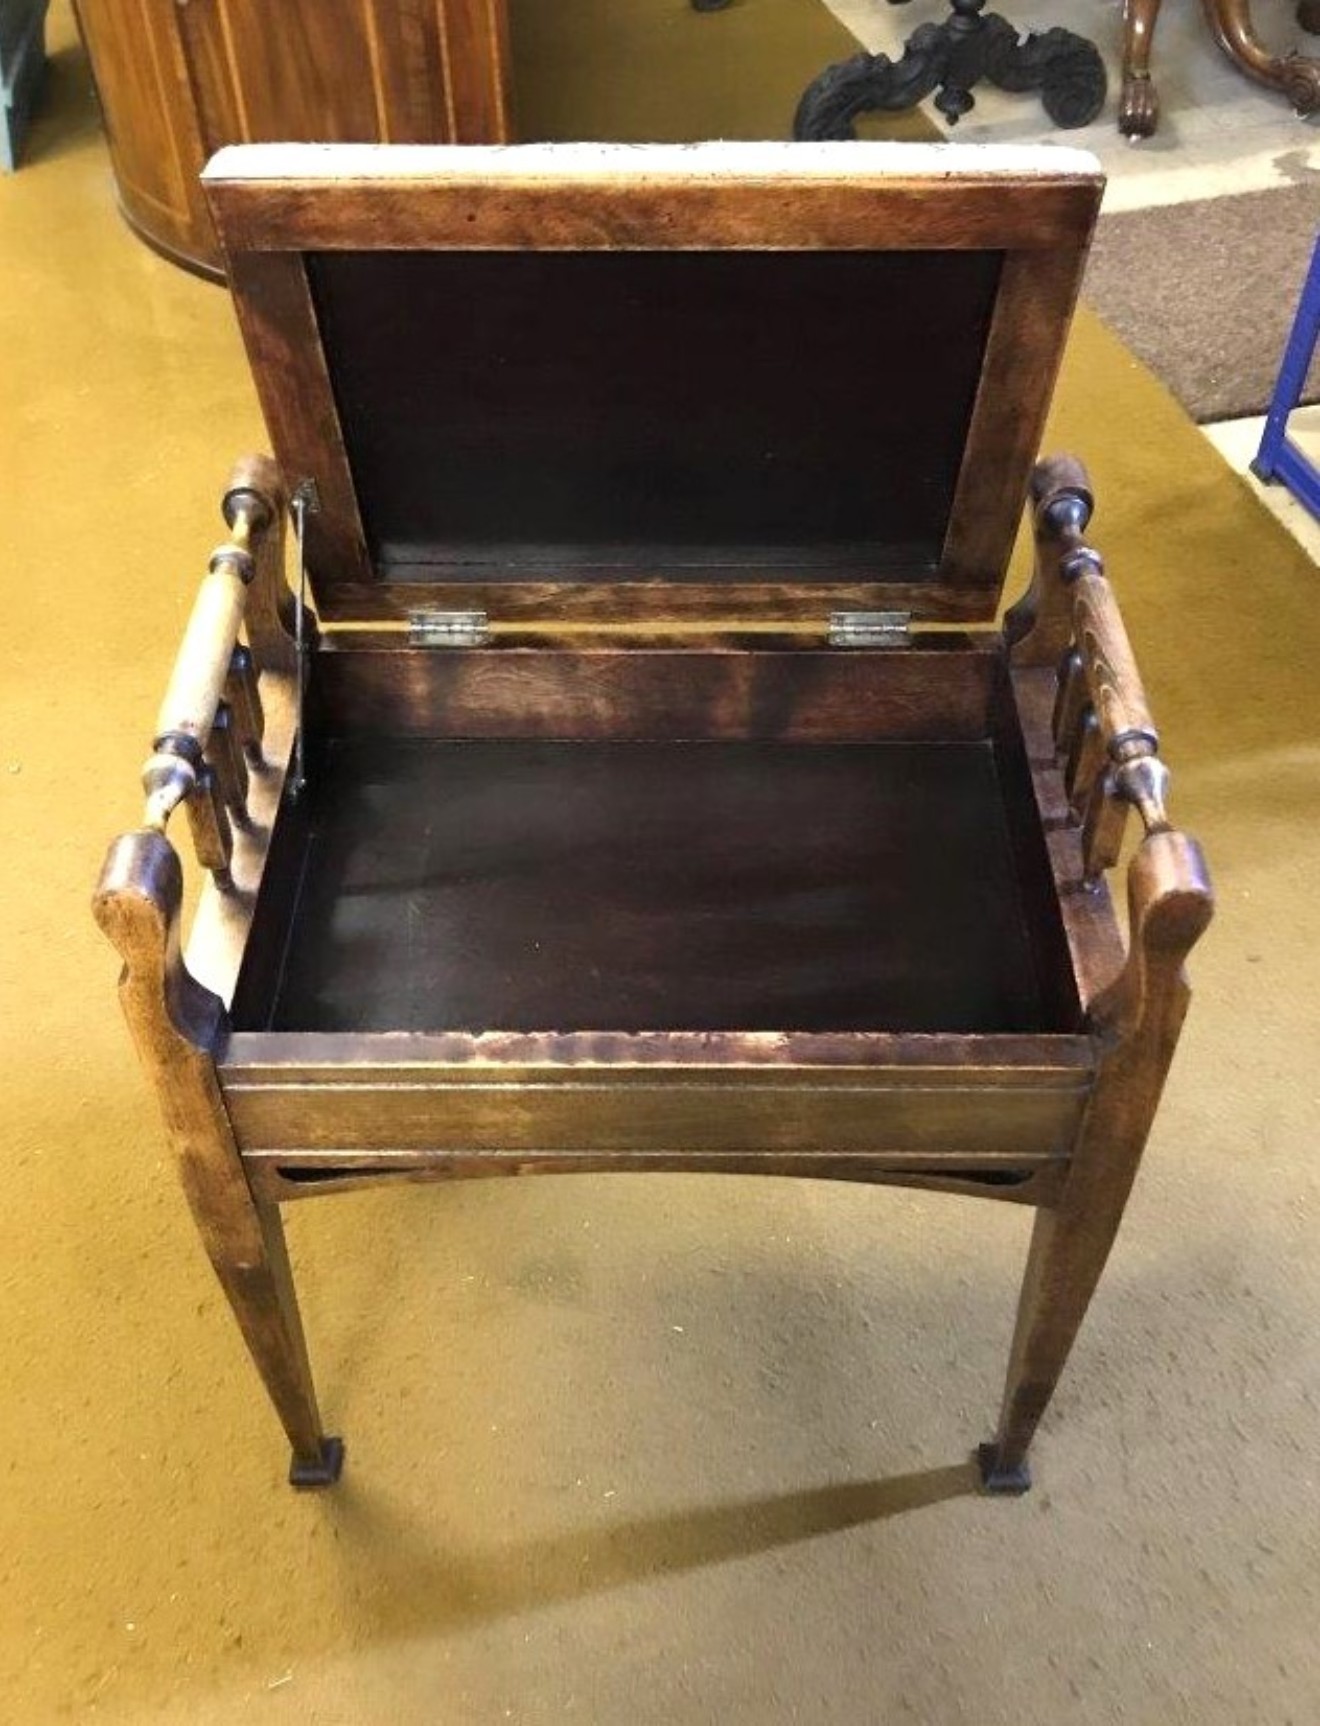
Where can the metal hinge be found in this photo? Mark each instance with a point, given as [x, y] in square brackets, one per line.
[448, 628]
[870, 628]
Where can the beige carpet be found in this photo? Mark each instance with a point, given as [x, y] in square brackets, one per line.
[1205, 293]
[631, 1450]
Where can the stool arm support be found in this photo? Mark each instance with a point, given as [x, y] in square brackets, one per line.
[1170, 905]
[210, 726]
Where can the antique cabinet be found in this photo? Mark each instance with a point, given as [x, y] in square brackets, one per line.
[630, 775]
[178, 79]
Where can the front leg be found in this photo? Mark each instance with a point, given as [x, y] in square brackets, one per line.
[176, 1024]
[1070, 618]
[1170, 906]
[207, 739]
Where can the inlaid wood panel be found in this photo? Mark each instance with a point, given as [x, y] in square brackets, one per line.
[180, 78]
[151, 124]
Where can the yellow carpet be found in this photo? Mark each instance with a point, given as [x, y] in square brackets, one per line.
[628, 1450]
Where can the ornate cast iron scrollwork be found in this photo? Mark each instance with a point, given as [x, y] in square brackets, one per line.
[952, 57]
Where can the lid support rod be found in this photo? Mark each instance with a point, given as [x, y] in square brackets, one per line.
[304, 502]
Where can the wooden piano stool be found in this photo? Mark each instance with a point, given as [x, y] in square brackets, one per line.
[649, 788]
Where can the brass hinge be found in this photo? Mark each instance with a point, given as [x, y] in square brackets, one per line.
[870, 628]
[448, 629]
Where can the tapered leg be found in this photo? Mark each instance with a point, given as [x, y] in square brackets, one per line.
[1069, 1246]
[1140, 1015]
[1139, 104]
[247, 1249]
[176, 1024]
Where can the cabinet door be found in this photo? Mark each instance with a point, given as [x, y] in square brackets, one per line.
[155, 146]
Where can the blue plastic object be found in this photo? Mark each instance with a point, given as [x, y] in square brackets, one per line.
[1278, 457]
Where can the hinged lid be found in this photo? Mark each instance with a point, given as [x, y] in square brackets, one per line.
[718, 381]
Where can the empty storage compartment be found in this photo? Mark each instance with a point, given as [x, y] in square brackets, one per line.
[857, 871]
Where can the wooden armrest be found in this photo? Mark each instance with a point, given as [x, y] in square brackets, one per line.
[1170, 904]
[209, 729]
[137, 903]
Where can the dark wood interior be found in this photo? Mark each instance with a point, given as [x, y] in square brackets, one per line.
[863, 872]
[678, 412]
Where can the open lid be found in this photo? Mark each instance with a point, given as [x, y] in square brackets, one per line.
[648, 382]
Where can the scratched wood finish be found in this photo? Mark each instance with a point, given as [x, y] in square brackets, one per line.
[1054, 1114]
[280, 1178]
[1038, 292]
[619, 207]
[1116, 687]
[278, 220]
[669, 1118]
[177, 1024]
[275, 313]
[802, 694]
[1137, 1021]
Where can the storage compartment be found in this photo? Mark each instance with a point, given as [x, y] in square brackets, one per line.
[855, 871]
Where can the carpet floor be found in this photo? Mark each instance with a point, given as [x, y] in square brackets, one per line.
[638, 1449]
[1204, 292]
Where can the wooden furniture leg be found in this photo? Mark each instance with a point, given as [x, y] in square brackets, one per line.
[1170, 905]
[175, 1023]
[1296, 76]
[208, 739]
[1068, 618]
[1139, 103]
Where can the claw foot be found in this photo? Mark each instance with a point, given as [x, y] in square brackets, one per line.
[1300, 82]
[1139, 106]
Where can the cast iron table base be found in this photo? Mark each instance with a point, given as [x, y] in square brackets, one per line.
[952, 57]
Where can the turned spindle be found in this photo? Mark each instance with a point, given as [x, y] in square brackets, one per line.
[210, 728]
[243, 697]
[1103, 729]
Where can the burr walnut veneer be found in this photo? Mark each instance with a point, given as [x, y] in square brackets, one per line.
[648, 789]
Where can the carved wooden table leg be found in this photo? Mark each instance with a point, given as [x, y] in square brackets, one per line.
[1296, 76]
[1139, 104]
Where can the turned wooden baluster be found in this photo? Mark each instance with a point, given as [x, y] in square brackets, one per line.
[211, 723]
[1103, 727]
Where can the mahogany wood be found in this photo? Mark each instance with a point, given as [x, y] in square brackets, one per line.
[317, 239]
[942, 686]
[177, 1025]
[1294, 75]
[618, 198]
[643, 885]
[1137, 1021]
[848, 923]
